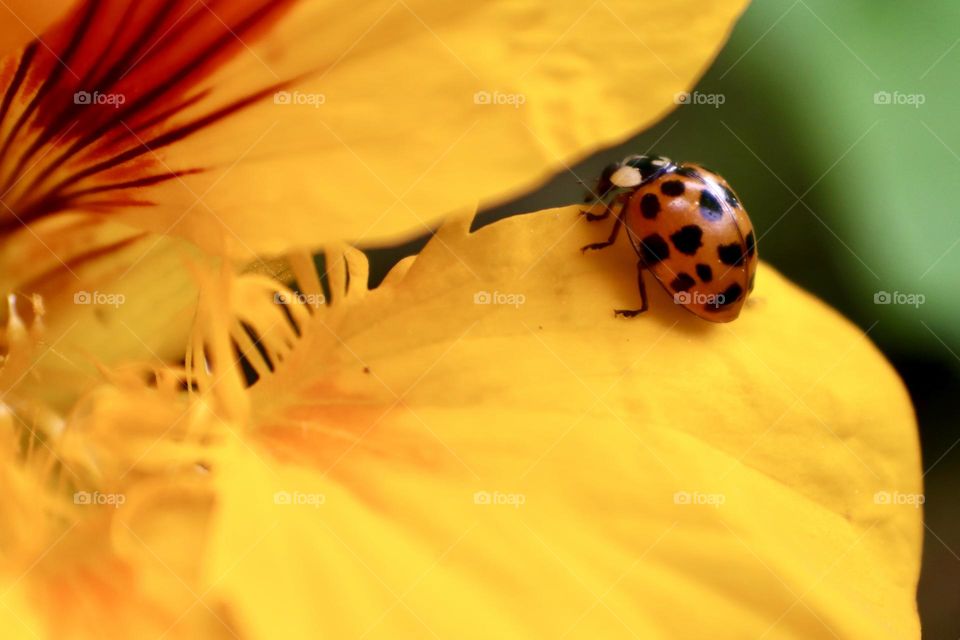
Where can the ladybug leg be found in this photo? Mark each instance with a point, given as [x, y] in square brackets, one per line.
[633, 313]
[617, 225]
[609, 241]
[607, 206]
[593, 217]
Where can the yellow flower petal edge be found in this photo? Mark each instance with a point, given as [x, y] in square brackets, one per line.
[428, 107]
[478, 448]
[360, 122]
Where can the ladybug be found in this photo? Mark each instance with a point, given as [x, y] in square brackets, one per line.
[687, 228]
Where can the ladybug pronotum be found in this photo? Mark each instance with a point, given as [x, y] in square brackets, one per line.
[687, 228]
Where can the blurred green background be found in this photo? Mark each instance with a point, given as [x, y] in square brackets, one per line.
[840, 130]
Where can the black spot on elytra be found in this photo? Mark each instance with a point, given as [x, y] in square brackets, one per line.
[709, 207]
[682, 282]
[730, 197]
[688, 172]
[731, 254]
[688, 239]
[672, 188]
[751, 245]
[704, 272]
[649, 206]
[654, 249]
[730, 295]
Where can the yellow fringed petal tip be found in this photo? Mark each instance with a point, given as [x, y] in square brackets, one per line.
[478, 448]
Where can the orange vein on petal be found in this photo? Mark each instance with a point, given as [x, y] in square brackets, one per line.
[87, 109]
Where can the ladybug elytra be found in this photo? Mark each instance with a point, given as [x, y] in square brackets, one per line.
[687, 228]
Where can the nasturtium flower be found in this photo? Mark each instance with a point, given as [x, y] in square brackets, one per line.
[474, 448]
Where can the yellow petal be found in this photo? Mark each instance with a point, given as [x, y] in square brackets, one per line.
[360, 122]
[427, 107]
[430, 461]
[18, 620]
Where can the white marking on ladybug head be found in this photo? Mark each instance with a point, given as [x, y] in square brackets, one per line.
[625, 177]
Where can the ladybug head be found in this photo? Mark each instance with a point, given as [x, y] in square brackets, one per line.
[604, 184]
[630, 172]
[648, 166]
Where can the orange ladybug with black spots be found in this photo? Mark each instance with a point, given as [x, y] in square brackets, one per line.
[687, 227]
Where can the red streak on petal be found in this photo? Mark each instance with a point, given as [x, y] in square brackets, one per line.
[84, 111]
